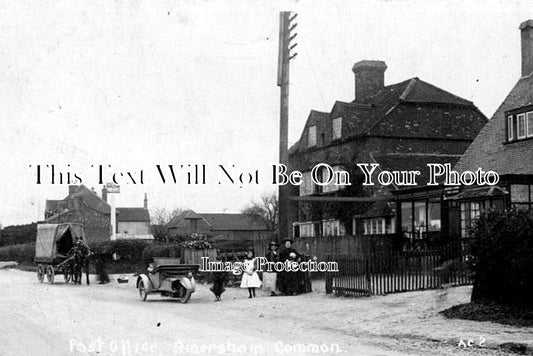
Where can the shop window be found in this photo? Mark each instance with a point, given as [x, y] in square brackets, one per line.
[419, 217]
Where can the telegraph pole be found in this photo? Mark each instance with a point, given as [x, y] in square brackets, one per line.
[287, 35]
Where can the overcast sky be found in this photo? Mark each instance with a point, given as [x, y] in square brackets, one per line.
[139, 83]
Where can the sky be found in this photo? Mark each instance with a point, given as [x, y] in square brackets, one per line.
[134, 84]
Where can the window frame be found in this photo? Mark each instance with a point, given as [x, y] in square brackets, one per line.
[523, 116]
[309, 145]
[529, 115]
[510, 128]
[339, 126]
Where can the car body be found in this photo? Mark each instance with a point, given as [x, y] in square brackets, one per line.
[168, 277]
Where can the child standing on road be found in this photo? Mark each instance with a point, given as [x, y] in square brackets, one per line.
[250, 278]
[219, 278]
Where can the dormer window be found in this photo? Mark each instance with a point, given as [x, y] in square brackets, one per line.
[311, 136]
[519, 125]
[336, 128]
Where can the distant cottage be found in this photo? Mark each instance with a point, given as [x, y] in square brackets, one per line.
[83, 205]
[402, 126]
[223, 226]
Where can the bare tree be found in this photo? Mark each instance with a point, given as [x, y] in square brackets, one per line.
[266, 209]
[159, 218]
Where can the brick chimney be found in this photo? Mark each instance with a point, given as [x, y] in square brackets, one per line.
[72, 189]
[369, 79]
[526, 34]
[145, 201]
[104, 193]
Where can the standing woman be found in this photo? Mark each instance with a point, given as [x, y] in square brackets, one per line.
[250, 278]
[270, 278]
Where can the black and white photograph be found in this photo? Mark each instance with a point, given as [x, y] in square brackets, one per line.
[276, 177]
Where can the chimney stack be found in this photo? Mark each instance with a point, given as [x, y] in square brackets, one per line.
[145, 201]
[104, 193]
[72, 189]
[369, 79]
[526, 34]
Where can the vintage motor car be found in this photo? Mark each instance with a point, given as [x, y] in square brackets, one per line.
[168, 277]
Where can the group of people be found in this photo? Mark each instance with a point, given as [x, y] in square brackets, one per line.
[274, 283]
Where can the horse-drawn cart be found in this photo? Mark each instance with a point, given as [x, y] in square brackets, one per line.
[52, 247]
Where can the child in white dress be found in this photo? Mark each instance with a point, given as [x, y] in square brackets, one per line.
[250, 278]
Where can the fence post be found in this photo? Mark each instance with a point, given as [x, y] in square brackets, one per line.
[367, 256]
[329, 282]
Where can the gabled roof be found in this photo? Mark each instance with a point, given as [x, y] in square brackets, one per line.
[91, 199]
[489, 152]
[412, 108]
[133, 214]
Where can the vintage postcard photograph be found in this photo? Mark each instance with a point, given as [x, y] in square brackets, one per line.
[277, 177]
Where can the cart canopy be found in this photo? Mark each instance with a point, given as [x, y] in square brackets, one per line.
[54, 241]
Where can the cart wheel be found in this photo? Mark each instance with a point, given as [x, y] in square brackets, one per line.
[142, 291]
[50, 274]
[40, 273]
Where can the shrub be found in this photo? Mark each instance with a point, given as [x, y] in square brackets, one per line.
[22, 253]
[18, 234]
[126, 250]
[501, 257]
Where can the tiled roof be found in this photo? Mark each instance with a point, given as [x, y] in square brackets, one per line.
[91, 200]
[222, 221]
[412, 108]
[234, 222]
[133, 214]
[488, 150]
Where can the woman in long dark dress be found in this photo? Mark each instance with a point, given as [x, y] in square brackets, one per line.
[289, 284]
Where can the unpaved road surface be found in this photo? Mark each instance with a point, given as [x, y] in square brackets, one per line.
[64, 319]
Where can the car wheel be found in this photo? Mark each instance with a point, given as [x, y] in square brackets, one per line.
[142, 290]
[185, 294]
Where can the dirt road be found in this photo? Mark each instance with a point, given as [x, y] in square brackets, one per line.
[60, 319]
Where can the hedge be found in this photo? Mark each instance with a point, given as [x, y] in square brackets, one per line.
[21, 253]
[501, 250]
